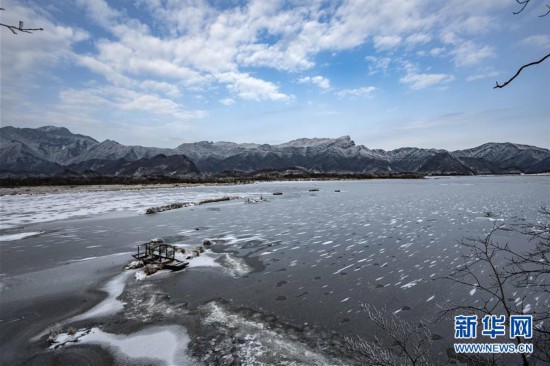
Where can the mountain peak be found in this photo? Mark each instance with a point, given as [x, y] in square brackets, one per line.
[55, 130]
[308, 142]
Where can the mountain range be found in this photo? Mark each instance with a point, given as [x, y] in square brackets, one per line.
[50, 150]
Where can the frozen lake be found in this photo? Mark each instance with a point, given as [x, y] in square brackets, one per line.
[308, 259]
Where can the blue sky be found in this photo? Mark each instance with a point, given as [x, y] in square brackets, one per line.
[388, 73]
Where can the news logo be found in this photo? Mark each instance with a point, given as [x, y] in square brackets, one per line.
[493, 326]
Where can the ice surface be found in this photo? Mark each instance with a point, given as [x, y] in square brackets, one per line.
[372, 244]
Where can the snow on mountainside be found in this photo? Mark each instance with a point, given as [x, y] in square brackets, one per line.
[217, 150]
[112, 150]
[319, 154]
[506, 155]
[409, 158]
[344, 141]
[17, 158]
[47, 150]
[323, 154]
[173, 166]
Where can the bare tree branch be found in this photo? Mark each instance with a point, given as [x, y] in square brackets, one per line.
[411, 343]
[19, 27]
[524, 3]
[520, 70]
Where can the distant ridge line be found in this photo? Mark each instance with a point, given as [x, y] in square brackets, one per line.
[51, 151]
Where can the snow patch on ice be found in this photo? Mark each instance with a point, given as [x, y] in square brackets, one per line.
[204, 260]
[140, 275]
[234, 265]
[12, 237]
[411, 284]
[167, 343]
[110, 305]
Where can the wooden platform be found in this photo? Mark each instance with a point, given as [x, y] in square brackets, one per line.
[156, 252]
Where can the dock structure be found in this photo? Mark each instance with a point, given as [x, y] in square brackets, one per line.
[156, 252]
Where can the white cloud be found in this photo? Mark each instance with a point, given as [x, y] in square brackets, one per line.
[409, 67]
[449, 37]
[150, 63]
[201, 42]
[471, 24]
[378, 64]
[250, 88]
[358, 92]
[227, 101]
[421, 81]
[469, 53]
[386, 42]
[166, 88]
[100, 12]
[318, 80]
[104, 69]
[437, 51]
[541, 41]
[92, 101]
[482, 75]
[418, 38]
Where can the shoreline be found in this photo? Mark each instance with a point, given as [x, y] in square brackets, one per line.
[85, 188]
[59, 189]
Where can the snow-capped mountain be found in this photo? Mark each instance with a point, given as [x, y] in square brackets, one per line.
[51, 150]
[505, 155]
[321, 155]
[49, 143]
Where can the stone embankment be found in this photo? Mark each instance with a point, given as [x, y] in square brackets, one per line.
[176, 205]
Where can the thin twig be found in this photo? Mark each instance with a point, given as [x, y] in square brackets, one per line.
[519, 71]
[524, 3]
